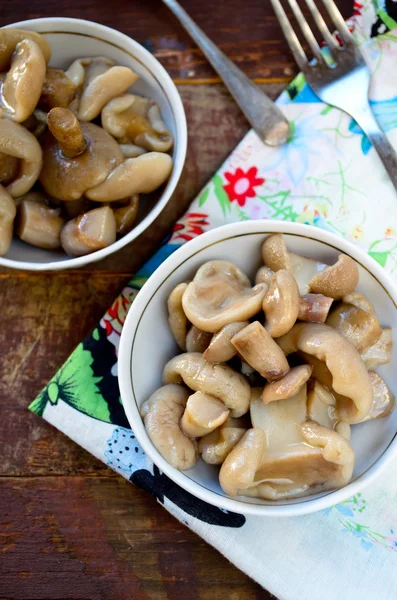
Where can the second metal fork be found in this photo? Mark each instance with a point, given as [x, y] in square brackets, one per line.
[345, 82]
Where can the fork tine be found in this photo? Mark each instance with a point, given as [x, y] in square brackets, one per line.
[290, 35]
[307, 32]
[322, 26]
[338, 21]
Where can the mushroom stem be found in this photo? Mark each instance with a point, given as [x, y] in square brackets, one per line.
[66, 129]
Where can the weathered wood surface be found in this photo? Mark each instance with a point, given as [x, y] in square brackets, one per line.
[69, 527]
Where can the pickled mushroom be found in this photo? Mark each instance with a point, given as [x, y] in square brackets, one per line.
[39, 225]
[215, 446]
[7, 216]
[203, 413]
[89, 232]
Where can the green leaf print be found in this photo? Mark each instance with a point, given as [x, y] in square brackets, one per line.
[220, 194]
[380, 257]
[76, 385]
[204, 196]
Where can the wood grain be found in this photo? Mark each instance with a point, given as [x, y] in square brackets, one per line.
[99, 538]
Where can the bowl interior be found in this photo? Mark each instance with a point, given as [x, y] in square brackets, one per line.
[84, 39]
[152, 345]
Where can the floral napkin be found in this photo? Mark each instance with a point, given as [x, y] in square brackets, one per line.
[326, 175]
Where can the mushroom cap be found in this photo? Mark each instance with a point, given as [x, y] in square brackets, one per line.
[126, 215]
[197, 340]
[89, 232]
[216, 380]
[176, 317]
[57, 89]
[337, 280]
[8, 168]
[140, 175]
[161, 415]
[314, 308]
[275, 254]
[264, 275]
[287, 386]
[221, 348]
[219, 294]
[203, 414]
[321, 407]
[39, 225]
[17, 141]
[215, 446]
[359, 327]
[361, 301]
[281, 303]
[241, 464]
[380, 352]
[69, 178]
[21, 88]
[349, 376]
[258, 349]
[10, 37]
[7, 216]
[383, 400]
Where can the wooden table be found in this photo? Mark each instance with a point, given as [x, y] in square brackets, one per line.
[69, 527]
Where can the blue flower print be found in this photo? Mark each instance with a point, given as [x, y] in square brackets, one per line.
[385, 112]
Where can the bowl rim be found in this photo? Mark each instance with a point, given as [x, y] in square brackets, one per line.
[150, 288]
[175, 102]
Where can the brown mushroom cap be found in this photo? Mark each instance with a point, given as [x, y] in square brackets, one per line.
[126, 215]
[176, 317]
[8, 168]
[258, 349]
[21, 88]
[69, 178]
[7, 216]
[161, 415]
[215, 446]
[219, 294]
[39, 225]
[361, 301]
[17, 141]
[216, 380]
[57, 90]
[281, 303]
[221, 348]
[141, 175]
[379, 353]
[348, 373]
[91, 231]
[10, 37]
[275, 254]
[359, 327]
[203, 414]
[287, 386]
[337, 280]
[314, 308]
[197, 340]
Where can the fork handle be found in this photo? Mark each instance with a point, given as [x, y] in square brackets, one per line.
[264, 116]
[365, 118]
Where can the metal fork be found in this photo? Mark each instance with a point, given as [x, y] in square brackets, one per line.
[343, 84]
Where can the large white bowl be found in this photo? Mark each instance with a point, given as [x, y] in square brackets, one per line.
[147, 344]
[73, 38]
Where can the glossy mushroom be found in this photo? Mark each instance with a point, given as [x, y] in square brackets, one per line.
[360, 301]
[8, 168]
[337, 280]
[18, 142]
[91, 231]
[76, 157]
[39, 225]
[57, 90]
[359, 327]
[7, 216]
[314, 308]
[221, 348]
[348, 376]
[137, 120]
[161, 414]
[141, 175]
[176, 317]
[98, 80]
[203, 413]
[264, 275]
[219, 294]
[258, 349]
[322, 408]
[126, 215]
[383, 400]
[240, 466]
[287, 386]
[215, 446]
[26, 67]
[216, 380]
[197, 340]
[380, 352]
[281, 303]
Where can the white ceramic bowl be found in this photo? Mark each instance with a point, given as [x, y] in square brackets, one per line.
[147, 344]
[70, 39]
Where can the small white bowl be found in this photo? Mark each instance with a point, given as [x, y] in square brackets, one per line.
[147, 344]
[73, 38]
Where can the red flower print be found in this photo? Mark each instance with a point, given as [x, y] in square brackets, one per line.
[241, 185]
[193, 224]
[357, 9]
